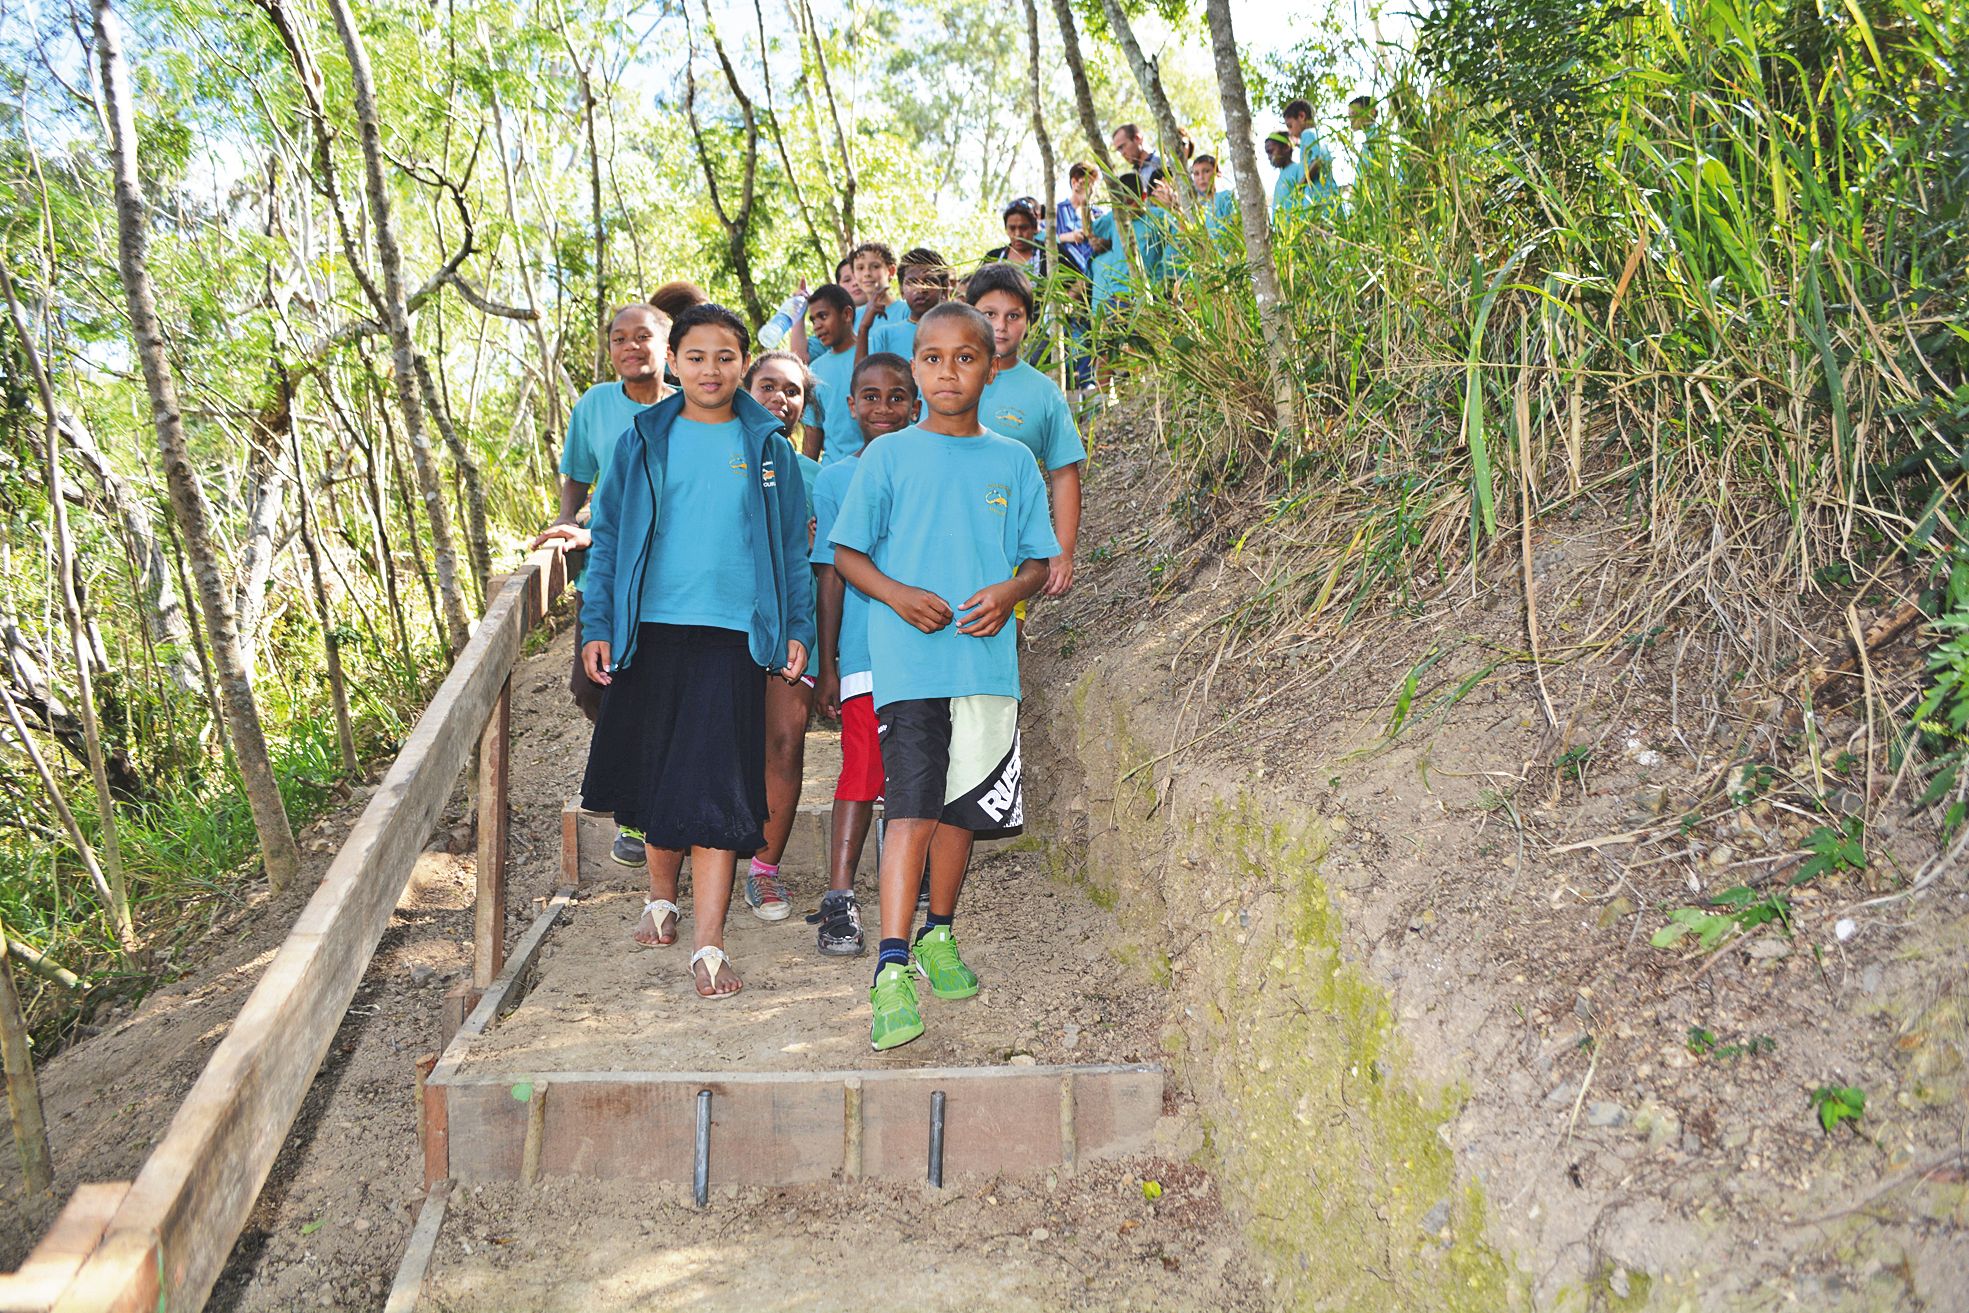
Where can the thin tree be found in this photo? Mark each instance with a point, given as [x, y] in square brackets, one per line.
[1150, 81]
[738, 225]
[779, 138]
[188, 505]
[23, 1090]
[396, 316]
[1083, 91]
[1272, 322]
[331, 638]
[92, 737]
[818, 76]
[1047, 163]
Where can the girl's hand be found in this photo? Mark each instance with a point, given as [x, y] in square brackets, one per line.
[796, 661]
[572, 537]
[922, 608]
[1059, 575]
[987, 610]
[595, 662]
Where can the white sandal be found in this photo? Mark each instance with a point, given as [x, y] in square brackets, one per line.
[661, 907]
[718, 959]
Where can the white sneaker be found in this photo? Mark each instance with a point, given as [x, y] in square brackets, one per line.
[766, 896]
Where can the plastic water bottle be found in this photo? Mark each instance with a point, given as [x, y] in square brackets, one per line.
[781, 324]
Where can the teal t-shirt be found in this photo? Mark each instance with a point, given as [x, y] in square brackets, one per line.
[700, 570]
[832, 372]
[891, 313]
[830, 490]
[1288, 190]
[597, 422]
[1221, 214]
[897, 335]
[1027, 406]
[809, 471]
[1111, 265]
[949, 515]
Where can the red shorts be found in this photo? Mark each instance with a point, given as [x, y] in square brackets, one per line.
[861, 751]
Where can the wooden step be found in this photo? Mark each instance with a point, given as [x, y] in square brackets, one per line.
[587, 836]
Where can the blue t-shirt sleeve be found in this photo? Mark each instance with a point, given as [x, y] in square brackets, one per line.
[864, 515]
[579, 459]
[826, 493]
[1036, 539]
[1060, 444]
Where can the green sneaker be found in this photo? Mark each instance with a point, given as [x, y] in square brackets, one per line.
[897, 1018]
[936, 957]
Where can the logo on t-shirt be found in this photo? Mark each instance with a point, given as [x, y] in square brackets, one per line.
[997, 496]
[738, 464]
[1011, 415]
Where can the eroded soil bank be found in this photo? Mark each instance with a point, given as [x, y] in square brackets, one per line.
[1408, 974]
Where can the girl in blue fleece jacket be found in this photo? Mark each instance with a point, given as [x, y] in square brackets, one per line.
[697, 580]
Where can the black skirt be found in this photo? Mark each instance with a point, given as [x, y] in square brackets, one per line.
[680, 748]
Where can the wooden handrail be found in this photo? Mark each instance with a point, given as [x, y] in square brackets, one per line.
[171, 1234]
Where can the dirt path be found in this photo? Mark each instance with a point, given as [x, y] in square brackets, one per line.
[331, 1224]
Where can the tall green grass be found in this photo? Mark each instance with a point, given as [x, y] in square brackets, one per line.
[1730, 292]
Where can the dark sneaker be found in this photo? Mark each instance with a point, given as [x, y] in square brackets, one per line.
[628, 849]
[923, 893]
[766, 896]
[839, 919]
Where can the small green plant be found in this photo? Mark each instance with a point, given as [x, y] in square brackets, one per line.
[1835, 850]
[1752, 779]
[1838, 1103]
[1742, 909]
[1703, 1043]
[1574, 759]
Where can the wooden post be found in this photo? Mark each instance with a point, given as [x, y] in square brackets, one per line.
[23, 1091]
[489, 912]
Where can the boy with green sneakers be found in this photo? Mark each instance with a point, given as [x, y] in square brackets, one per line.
[883, 400]
[945, 530]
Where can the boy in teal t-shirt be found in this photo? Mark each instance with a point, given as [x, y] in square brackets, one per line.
[1027, 406]
[831, 329]
[925, 285]
[883, 401]
[945, 529]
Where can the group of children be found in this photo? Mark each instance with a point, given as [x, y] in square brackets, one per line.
[853, 526]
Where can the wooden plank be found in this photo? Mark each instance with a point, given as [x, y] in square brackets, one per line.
[171, 1236]
[779, 1128]
[571, 842]
[495, 1000]
[62, 1249]
[408, 1287]
[489, 898]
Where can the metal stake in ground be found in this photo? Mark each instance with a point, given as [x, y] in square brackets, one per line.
[936, 1138]
[701, 1170]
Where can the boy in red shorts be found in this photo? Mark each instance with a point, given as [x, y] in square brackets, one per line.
[881, 399]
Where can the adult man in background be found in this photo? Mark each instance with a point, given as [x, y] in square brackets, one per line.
[1130, 145]
[636, 349]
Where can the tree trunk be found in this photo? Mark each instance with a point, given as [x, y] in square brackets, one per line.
[1083, 93]
[92, 737]
[811, 30]
[1272, 321]
[264, 500]
[283, 860]
[396, 314]
[779, 138]
[1090, 125]
[52, 786]
[1150, 82]
[331, 642]
[23, 1091]
[549, 370]
[1049, 166]
[601, 229]
[477, 535]
[738, 227]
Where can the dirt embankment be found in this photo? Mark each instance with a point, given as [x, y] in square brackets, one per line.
[1409, 976]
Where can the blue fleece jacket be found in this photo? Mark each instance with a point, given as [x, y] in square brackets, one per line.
[624, 521]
